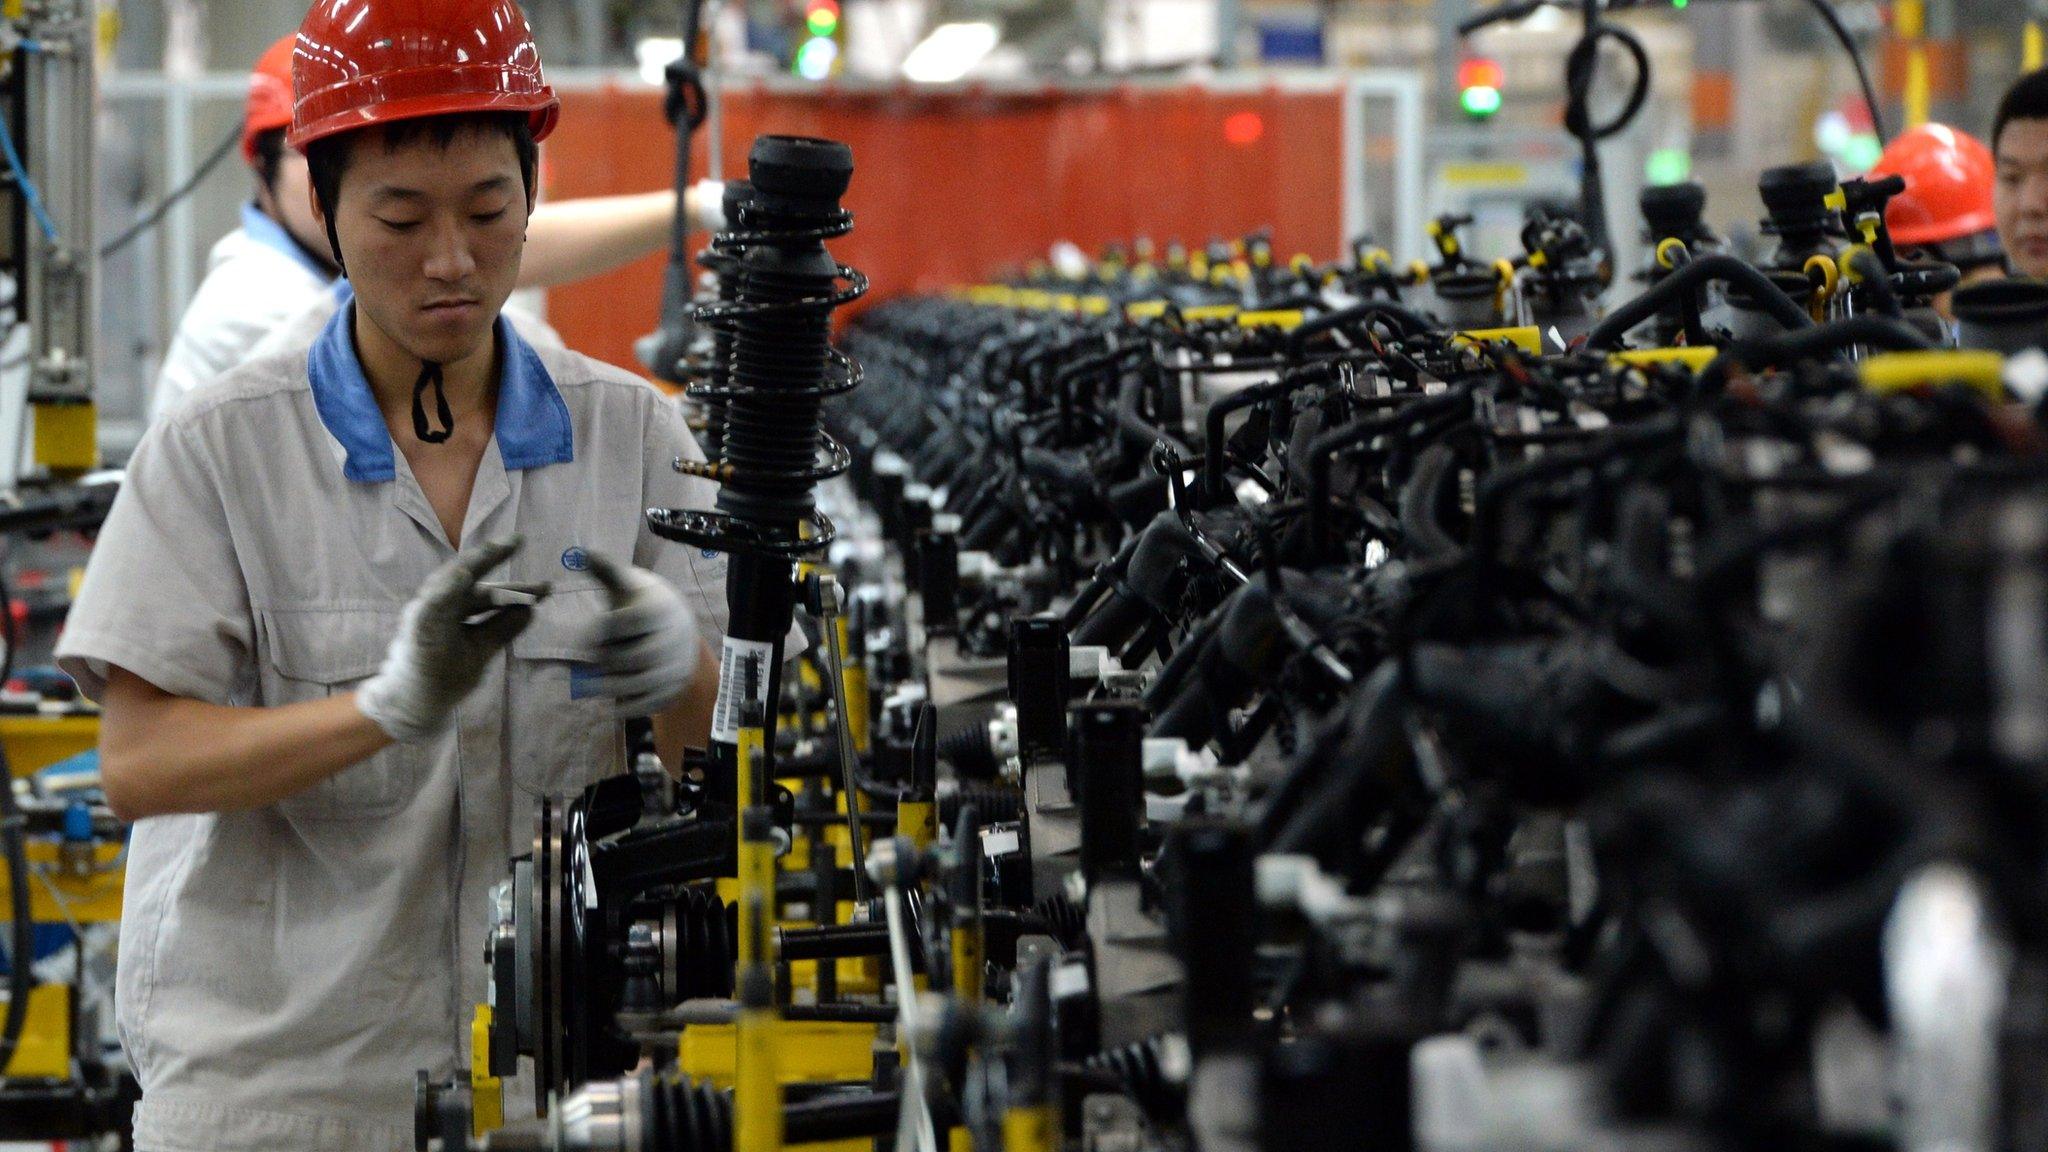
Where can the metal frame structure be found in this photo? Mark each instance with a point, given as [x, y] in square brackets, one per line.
[55, 57]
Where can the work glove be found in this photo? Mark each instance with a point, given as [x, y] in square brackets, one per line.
[446, 636]
[647, 640]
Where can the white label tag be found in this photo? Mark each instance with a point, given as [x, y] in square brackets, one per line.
[733, 665]
[1069, 980]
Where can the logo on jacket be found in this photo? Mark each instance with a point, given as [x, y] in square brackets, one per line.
[575, 559]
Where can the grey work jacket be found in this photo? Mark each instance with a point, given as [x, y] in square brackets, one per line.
[284, 971]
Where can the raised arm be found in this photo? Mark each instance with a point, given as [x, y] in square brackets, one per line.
[570, 240]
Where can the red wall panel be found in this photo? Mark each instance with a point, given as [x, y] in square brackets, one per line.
[952, 186]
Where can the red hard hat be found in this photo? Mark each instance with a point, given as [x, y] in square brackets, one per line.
[270, 96]
[365, 62]
[1949, 179]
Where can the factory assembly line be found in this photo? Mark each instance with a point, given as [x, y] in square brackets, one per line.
[1180, 697]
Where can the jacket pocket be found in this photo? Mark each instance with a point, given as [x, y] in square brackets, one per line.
[314, 653]
[581, 740]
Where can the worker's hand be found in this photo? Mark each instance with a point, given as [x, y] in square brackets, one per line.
[446, 636]
[706, 202]
[647, 641]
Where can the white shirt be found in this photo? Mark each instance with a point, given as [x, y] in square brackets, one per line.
[257, 278]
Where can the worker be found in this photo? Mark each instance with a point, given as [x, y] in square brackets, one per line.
[2019, 142]
[275, 266]
[1946, 212]
[357, 605]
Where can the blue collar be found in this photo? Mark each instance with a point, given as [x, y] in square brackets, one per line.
[269, 233]
[533, 427]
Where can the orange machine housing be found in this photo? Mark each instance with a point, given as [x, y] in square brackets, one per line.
[954, 185]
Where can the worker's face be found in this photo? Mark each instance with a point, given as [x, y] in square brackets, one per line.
[288, 200]
[432, 238]
[2022, 195]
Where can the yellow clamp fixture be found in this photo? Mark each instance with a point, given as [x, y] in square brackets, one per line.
[1504, 280]
[1847, 264]
[1671, 252]
[1893, 372]
[1286, 320]
[1827, 279]
[486, 1092]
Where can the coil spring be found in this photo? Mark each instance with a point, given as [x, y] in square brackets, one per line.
[722, 258]
[782, 366]
[1142, 1072]
[993, 803]
[971, 752]
[689, 1117]
[1065, 919]
[706, 930]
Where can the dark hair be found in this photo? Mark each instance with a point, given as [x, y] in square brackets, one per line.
[327, 158]
[269, 154]
[2027, 99]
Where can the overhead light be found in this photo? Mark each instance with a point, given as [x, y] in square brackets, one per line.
[951, 51]
[655, 54]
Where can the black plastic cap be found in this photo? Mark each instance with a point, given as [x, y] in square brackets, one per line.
[1674, 209]
[801, 168]
[737, 192]
[1797, 193]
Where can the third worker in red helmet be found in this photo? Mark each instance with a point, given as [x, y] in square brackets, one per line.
[1946, 212]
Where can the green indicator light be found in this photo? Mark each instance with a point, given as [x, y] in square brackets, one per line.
[1863, 152]
[1680, 4]
[1480, 103]
[1667, 166]
[814, 60]
[822, 21]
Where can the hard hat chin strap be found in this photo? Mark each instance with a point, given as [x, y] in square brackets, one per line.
[430, 373]
[334, 243]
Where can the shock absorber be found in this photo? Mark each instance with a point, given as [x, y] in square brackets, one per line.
[774, 450]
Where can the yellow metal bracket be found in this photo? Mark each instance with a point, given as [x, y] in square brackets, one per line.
[806, 1051]
[1893, 372]
[486, 1092]
[45, 1049]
